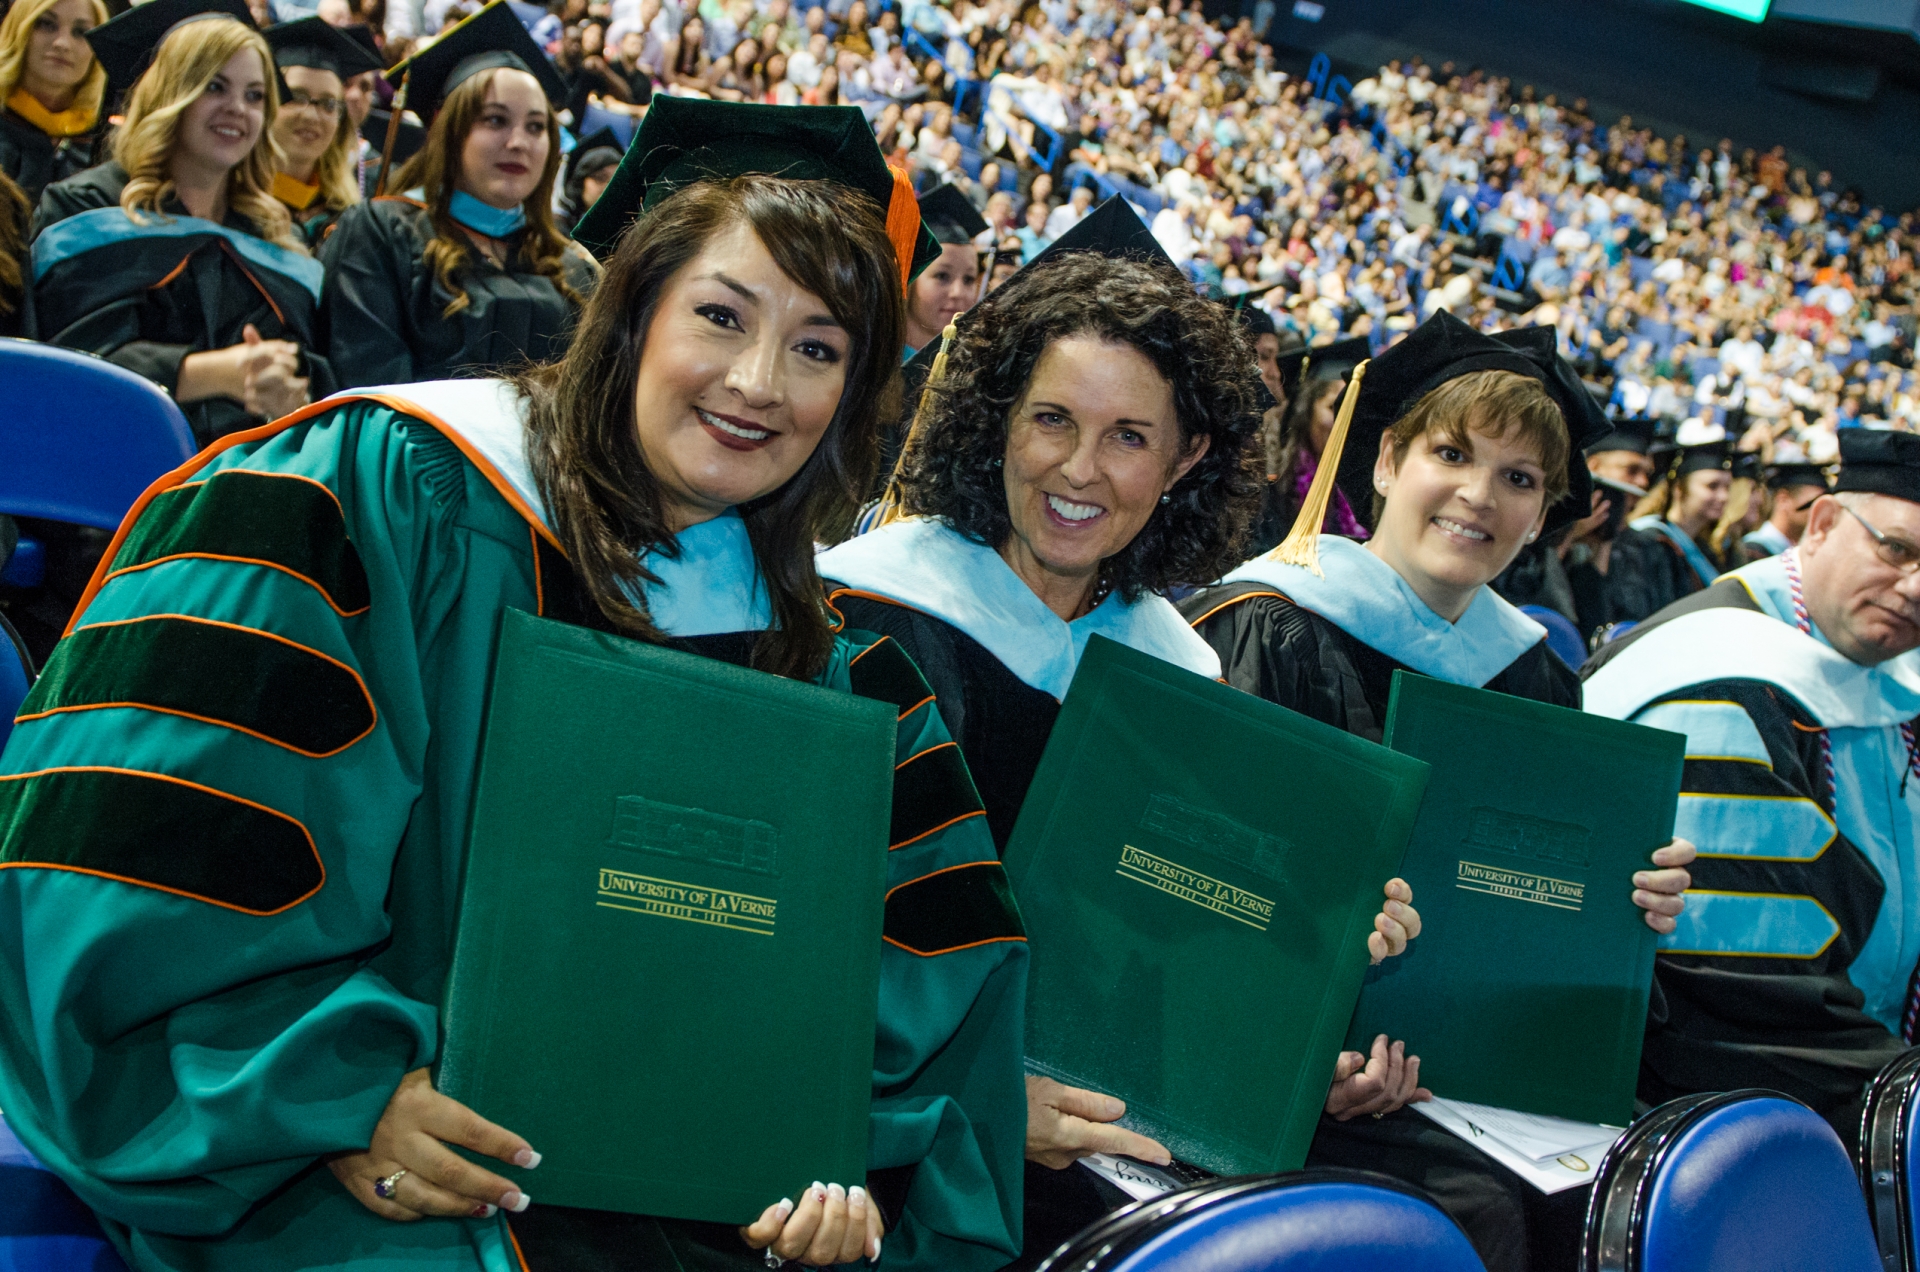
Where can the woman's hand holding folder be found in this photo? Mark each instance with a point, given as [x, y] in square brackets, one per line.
[1387, 1080]
[409, 1172]
[832, 1225]
[1396, 924]
[1067, 1123]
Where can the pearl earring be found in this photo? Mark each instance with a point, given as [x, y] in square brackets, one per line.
[1166, 499]
[1533, 536]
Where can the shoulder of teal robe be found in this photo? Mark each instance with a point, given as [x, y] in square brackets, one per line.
[229, 823]
[949, 1111]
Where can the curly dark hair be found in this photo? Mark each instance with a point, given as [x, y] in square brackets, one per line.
[950, 468]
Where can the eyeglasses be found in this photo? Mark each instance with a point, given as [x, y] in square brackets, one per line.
[325, 105]
[1896, 553]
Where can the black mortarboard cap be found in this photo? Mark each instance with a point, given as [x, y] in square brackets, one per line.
[684, 140]
[1112, 229]
[950, 216]
[126, 44]
[407, 141]
[489, 39]
[1444, 348]
[1879, 461]
[599, 148]
[315, 43]
[1747, 464]
[363, 36]
[1255, 320]
[1697, 446]
[1629, 433]
[1333, 361]
[1793, 476]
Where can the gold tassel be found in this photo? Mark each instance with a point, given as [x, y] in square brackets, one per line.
[890, 509]
[1302, 545]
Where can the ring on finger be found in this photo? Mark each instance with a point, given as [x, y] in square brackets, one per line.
[384, 1188]
[773, 1260]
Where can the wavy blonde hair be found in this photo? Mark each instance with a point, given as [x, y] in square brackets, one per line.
[17, 30]
[186, 63]
[543, 249]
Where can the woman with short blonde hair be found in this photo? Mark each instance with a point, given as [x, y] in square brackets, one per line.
[51, 91]
[174, 259]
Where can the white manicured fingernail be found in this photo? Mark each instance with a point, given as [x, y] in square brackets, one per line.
[819, 1191]
[485, 1211]
[876, 1251]
[785, 1207]
[856, 1195]
[515, 1200]
[526, 1158]
[836, 1192]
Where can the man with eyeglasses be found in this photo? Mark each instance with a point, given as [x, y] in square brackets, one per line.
[1796, 682]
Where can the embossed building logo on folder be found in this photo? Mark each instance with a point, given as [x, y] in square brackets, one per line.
[693, 834]
[1535, 838]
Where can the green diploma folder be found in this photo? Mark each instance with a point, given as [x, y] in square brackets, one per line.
[1527, 988]
[668, 957]
[1199, 870]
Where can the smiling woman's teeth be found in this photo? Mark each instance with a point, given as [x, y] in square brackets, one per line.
[1070, 511]
[746, 434]
[1454, 527]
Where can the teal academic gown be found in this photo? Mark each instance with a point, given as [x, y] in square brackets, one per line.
[231, 829]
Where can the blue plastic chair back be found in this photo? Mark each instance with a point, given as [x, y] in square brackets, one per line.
[1746, 1181]
[1563, 638]
[81, 437]
[16, 677]
[43, 1226]
[1308, 1227]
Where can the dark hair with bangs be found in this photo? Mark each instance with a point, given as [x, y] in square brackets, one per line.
[1494, 403]
[950, 468]
[584, 443]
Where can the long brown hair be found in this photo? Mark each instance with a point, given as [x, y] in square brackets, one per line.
[584, 443]
[543, 248]
[14, 215]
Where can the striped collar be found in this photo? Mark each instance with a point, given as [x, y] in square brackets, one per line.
[1368, 600]
[711, 585]
[925, 564]
[1682, 541]
[99, 227]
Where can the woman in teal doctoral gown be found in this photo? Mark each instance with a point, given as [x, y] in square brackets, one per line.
[233, 814]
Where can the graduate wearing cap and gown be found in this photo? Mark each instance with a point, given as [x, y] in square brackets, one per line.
[1792, 486]
[319, 177]
[1044, 405]
[1793, 967]
[1311, 383]
[426, 283]
[150, 286]
[233, 816]
[1320, 625]
[589, 167]
[1656, 559]
[950, 286]
[38, 143]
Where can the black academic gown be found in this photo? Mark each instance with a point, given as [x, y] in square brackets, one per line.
[1276, 650]
[35, 160]
[146, 294]
[385, 311]
[1647, 573]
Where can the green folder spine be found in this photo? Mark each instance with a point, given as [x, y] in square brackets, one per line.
[668, 952]
[1528, 987]
[1199, 870]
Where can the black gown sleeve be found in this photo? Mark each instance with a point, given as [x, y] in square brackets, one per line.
[1273, 649]
[369, 259]
[1640, 577]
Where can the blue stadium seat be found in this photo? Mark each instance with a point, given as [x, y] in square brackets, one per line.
[16, 676]
[1563, 638]
[81, 437]
[43, 1226]
[1302, 1221]
[1889, 1125]
[1739, 1181]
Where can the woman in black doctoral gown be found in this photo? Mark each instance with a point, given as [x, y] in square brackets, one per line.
[1083, 449]
[1464, 447]
[464, 272]
[174, 260]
